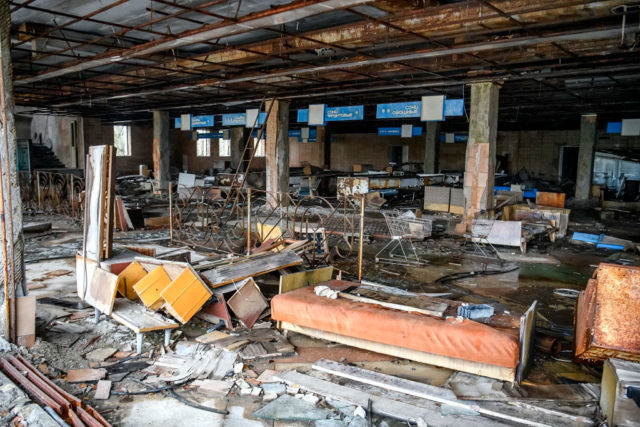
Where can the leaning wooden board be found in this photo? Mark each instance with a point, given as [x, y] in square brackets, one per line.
[235, 272]
[417, 303]
[102, 291]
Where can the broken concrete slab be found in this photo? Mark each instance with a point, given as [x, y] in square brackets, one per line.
[213, 387]
[103, 389]
[288, 408]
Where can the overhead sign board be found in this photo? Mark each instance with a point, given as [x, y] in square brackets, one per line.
[196, 122]
[398, 110]
[397, 131]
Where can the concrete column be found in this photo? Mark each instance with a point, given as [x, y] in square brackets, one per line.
[237, 145]
[588, 134]
[431, 145]
[161, 153]
[481, 151]
[277, 150]
[11, 240]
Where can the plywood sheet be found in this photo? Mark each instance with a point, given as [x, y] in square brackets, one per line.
[139, 319]
[248, 303]
[129, 277]
[149, 287]
[262, 265]
[185, 295]
[101, 292]
[26, 319]
[289, 282]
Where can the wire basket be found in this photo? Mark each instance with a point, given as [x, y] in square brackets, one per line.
[406, 225]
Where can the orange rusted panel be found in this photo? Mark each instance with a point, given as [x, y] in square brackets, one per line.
[555, 200]
[149, 287]
[607, 313]
[185, 295]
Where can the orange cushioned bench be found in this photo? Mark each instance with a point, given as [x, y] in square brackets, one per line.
[454, 343]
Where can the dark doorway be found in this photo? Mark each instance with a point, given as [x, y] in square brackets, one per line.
[569, 170]
[395, 154]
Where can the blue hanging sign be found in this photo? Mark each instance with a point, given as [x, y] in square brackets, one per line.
[236, 119]
[196, 122]
[457, 137]
[297, 133]
[350, 112]
[303, 116]
[614, 127]
[415, 131]
[398, 110]
[214, 135]
[454, 107]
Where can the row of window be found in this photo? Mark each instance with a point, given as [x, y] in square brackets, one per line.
[122, 142]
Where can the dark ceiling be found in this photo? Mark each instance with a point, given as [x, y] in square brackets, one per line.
[119, 59]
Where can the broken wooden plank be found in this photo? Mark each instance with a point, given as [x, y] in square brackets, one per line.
[253, 267]
[289, 282]
[102, 289]
[103, 390]
[85, 375]
[185, 295]
[211, 337]
[150, 286]
[414, 304]
[139, 319]
[248, 302]
[100, 354]
[26, 320]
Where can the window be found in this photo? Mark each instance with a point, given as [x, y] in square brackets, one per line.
[122, 140]
[203, 145]
[224, 147]
[259, 147]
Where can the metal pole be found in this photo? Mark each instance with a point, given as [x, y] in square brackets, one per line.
[38, 187]
[171, 212]
[361, 239]
[248, 221]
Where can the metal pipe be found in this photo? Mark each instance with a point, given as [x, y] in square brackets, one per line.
[171, 212]
[361, 239]
[248, 221]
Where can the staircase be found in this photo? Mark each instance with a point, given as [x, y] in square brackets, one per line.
[42, 157]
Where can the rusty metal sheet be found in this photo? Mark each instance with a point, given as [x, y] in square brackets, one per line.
[555, 200]
[607, 313]
[351, 185]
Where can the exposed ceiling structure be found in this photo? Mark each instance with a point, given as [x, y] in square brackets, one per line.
[119, 59]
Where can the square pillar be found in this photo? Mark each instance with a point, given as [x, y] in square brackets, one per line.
[481, 151]
[237, 140]
[11, 237]
[161, 154]
[277, 151]
[431, 145]
[588, 135]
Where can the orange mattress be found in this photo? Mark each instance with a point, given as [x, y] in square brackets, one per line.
[462, 339]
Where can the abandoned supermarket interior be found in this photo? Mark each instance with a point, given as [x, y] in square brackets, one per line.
[319, 213]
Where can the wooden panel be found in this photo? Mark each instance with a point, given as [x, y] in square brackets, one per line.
[139, 319]
[129, 277]
[216, 311]
[527, 332]
[149, 287]
[555, 200]
[289, 282]
[102, 291]
[96, 188]
[477, 368]
[254, 267]
[172, 268]
[248, 303]
[26, 320]
[185, 295]
[417, 304]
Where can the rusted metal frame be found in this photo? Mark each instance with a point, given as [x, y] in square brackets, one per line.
[185, 38]
[66, 24]
[140, 27]
[21, 5]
